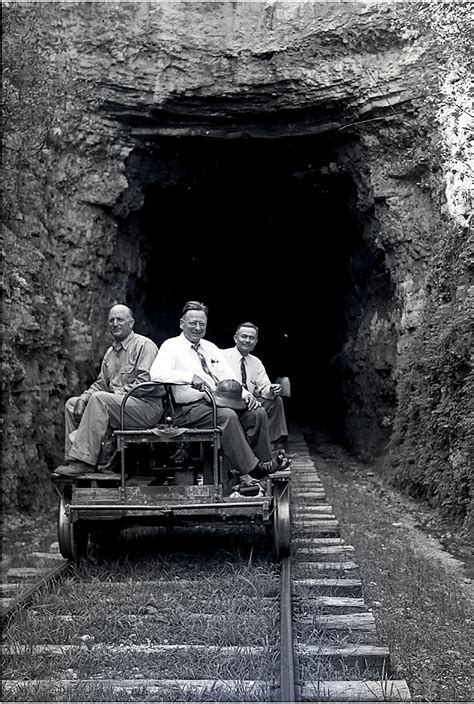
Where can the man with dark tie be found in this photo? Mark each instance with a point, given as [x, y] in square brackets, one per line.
[193, 362]
[250, 371]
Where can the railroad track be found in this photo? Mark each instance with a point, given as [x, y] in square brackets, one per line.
[194, 616]
[334, 633]
[199, 615]
[24, 574]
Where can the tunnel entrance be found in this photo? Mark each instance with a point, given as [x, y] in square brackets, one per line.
[260, 230]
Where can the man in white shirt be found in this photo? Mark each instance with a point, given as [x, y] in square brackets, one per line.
[194, 363]
[250, 371]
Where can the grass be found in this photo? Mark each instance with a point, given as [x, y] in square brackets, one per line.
[215, 591]
[420, 604]
[316, 668]
[167, 621]
[97, 692]
[317, 636]
[100, 664]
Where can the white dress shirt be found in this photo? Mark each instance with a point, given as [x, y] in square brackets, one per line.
[258, 382]
[177, 362]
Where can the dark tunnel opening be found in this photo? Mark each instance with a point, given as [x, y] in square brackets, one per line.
[261, 231]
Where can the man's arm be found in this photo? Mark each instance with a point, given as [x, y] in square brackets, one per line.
[100, 384]
[263, 385]
[225, 371]
[164, 368]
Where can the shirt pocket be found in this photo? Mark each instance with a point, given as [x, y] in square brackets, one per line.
[127, 371]
[133, 357]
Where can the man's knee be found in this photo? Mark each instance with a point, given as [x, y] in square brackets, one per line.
[255, 419]
[278, 403]
[260, 414]
[226, 415]
[102, 398]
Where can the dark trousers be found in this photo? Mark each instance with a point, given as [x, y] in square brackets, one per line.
[245, 435]
[276, 417]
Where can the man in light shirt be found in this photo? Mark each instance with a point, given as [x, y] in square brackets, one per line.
[250, 371]
[195, 363]
[89, 416]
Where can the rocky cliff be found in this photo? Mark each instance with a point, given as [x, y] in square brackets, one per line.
[365, 84]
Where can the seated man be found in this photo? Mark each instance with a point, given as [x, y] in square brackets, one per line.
[126, 363]
[196, 363]
[250, 371]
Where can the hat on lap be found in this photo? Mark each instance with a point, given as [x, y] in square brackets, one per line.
[228, 394]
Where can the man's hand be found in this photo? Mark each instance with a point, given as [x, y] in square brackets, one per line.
[79, 408]
[275, 389]
[198, 383]
[251, 402]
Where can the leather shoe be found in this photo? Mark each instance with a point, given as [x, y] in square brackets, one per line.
[263, 469]
[249, 486]
[74, 468]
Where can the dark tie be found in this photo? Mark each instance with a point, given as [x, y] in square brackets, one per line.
[243, 372]
[204, 364]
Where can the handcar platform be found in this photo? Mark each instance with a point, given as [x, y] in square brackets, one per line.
[169, 476]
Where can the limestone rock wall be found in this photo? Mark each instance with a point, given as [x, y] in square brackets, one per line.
[229, 69]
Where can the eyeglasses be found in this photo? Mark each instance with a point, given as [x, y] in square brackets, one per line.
[196, 324]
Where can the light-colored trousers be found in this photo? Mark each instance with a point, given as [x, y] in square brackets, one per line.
[245, 438]
[276, 417]
[101, 413]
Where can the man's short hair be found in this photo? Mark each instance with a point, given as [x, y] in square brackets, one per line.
[247, 325]
[194, 305]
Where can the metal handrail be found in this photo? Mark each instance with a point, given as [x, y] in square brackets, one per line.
[215, 454]
[215, 451]
[122, 427]
[207, 391]
[130, 393]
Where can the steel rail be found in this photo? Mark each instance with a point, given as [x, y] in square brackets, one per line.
[287, 691]
[42, 582]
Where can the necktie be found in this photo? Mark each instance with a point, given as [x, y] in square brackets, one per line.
[243, 372]
[204, 364]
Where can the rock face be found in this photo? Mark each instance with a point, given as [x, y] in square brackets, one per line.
[358, 77]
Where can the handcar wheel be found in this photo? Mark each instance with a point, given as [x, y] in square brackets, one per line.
[64, 531]
[281, 520]
[72, 536]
